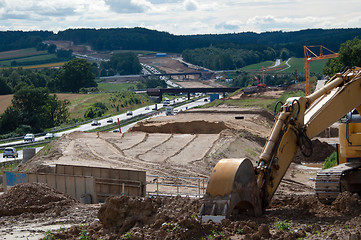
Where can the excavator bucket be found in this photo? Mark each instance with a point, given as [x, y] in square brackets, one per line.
[232, 188]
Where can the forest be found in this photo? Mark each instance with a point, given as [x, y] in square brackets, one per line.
[146, 39]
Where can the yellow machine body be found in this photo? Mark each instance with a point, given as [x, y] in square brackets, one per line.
[235, 185]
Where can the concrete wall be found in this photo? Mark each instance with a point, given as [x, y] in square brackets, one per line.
[109, 181]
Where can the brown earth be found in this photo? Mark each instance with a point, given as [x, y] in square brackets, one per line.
[187, 144]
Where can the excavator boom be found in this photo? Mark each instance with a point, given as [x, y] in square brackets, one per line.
[300, 119]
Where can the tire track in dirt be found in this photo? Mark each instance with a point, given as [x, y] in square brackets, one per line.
[167, 160]
[137, 156]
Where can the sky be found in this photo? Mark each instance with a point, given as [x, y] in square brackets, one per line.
[180, 17]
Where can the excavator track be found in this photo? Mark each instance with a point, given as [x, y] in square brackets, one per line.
[329, 181]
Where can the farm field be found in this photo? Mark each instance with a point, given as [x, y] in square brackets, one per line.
[295, 63]
[114, 87]
[27, 57]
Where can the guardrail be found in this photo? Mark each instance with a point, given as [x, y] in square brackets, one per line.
[182, 185]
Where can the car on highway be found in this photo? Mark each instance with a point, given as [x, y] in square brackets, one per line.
[95, 123]
[49, 135]
[110, 120]
[29, 137]
[10, 152]
[129, 113]
[147, 108]
[116, 130]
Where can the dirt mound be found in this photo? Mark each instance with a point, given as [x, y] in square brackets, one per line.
[32, 198]
[321, 150]
[347, 203]
[193, 127]
[165, 218]
[287, 217]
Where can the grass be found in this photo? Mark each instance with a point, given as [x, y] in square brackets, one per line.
[283, 225]
[114, 87]
[8, 168]
[298, 63]
[28, 59]
[20, 53]
[331, 161]
[265, 64]
[295, 63]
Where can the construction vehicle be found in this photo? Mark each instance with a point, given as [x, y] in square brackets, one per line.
[259, 83]
[235, 185]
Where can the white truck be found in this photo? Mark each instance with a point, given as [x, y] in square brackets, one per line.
[168, 111]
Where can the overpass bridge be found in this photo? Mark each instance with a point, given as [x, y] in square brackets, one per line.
[158, 92]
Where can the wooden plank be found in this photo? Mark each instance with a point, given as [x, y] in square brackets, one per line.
[78, 170]
[42, 178]
[60, 183]
[68, 170]
[51, 181]
[70, 186]
[87, 171]
[90, 188]
[31, 177]
[79, 186]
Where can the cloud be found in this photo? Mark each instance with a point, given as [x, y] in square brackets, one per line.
[129, 6]
[190, 5]
[229, 25]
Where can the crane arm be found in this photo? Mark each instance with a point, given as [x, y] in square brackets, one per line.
[301, 119]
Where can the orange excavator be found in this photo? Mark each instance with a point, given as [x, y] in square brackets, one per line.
[236, 186]
[259, 83]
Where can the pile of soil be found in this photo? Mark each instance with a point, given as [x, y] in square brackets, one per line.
[32, 198]
[194, 127]
[288, 217]
[321, 150]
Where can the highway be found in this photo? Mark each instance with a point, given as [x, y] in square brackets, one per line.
[123, 116]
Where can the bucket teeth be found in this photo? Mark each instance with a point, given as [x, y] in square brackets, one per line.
[232, 188]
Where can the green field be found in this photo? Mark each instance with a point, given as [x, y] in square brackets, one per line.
[298, 63]
[20, 53]
[115, 87]
[26, 57]
[295, 63]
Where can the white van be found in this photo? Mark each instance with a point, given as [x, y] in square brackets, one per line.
[29, 137]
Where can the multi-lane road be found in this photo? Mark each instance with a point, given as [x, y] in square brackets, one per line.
[123, 116]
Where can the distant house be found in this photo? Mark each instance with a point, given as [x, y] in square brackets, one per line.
[160, 54]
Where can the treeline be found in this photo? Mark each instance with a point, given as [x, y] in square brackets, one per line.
[145, 39]
[32, 110]
[217, 58]
[72, 77]
[121, 63]
[12, 40]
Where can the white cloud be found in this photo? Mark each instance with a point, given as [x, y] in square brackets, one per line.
[129, 6]
[179, 16]
[190, 5]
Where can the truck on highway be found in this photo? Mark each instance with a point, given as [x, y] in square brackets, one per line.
[169, 111]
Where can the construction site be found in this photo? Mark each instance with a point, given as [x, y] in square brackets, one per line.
[150, 182]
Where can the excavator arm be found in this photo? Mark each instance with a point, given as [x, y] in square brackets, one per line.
[299, 120]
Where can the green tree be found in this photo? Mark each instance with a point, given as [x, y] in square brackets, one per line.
[34, 107]
[349, 55]
[4, 87]
[75, 74]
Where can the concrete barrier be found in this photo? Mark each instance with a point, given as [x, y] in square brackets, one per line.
[28, 153]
